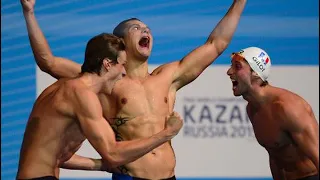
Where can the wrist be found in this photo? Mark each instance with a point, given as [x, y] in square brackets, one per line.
[28, 12]
[98, 165]
[166, 135]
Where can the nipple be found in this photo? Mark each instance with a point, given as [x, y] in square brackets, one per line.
[124, 101]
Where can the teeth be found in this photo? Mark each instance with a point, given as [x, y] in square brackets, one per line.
[146, 37]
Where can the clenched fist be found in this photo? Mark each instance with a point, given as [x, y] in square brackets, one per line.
[28, 5]
[173, 124]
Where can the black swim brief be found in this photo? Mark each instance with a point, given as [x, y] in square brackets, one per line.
[127, 177]
[313, 177]
[42, 178]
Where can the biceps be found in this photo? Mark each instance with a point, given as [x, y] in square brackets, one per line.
[308, 141]
[192, 65]
[99, 134]
[65, 68]
[96, 129]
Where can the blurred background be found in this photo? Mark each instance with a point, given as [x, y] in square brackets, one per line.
[216, 141]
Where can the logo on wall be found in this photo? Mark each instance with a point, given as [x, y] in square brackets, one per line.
[216, 118]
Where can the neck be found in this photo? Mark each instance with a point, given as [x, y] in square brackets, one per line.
[98, 84]
[257, 95]
[136, 67]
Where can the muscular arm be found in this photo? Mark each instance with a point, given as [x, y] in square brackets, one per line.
[55, 66]
[101, 136]
[83, 163]
[192, 65]
[300, 122]
[277, 174]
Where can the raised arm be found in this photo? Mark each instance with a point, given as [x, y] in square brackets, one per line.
[101, 136]
[192, 65]
[55, 66]
[300, 122]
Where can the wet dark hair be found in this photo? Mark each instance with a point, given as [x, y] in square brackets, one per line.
[99, 48]
[120, 29]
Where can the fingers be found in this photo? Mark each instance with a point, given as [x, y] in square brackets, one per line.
[175, 114]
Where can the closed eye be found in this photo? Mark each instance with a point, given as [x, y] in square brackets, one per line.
[238, 66]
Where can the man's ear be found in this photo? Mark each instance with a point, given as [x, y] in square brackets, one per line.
[106, 64]
[255, 75]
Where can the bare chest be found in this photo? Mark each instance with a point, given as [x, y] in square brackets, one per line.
[133, 98]
[268, 131]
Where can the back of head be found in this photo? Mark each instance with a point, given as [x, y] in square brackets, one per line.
[99, 48]
[258, 60]
[120, 29]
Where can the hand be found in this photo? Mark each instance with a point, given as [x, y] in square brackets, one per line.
[28, 5]
[173, 124]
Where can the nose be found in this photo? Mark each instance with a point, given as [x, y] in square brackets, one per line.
[123, 71]
[145, 30]
[229, 71]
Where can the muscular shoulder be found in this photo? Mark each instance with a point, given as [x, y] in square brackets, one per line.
[288, 101]
[291, 109]
[77, 92]
[169, 67]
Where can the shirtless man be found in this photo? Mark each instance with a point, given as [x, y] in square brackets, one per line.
[283, 122]
[69, 111]
[139, 111]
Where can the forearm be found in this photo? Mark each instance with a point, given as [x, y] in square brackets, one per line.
[128, 151]
[38, 42]
[223, 32]
[77, 162]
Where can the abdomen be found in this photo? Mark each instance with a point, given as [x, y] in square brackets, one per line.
[158, 163]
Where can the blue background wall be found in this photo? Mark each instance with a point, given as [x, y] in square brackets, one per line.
[286, 29]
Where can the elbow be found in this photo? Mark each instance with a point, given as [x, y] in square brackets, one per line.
[44, 68]
[219, 45]
[45, 63]
[222, 46]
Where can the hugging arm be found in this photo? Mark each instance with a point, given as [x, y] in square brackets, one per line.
[101, 136]
[77, 162]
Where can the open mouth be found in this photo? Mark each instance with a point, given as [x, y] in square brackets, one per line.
[234, 83]
[144, 42]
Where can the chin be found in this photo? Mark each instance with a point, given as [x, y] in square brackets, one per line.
[144, 56]
[236, 93]
[144, 52]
